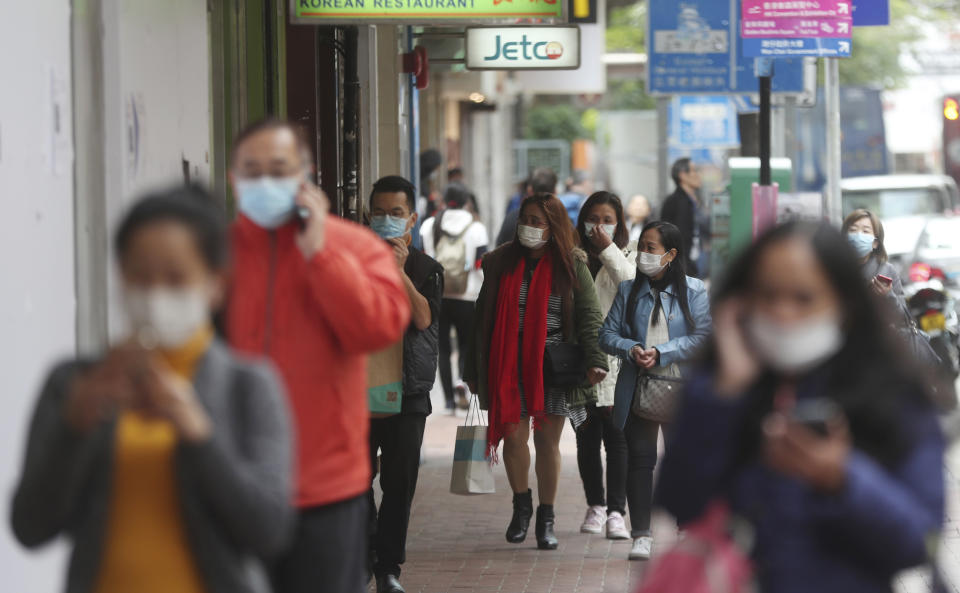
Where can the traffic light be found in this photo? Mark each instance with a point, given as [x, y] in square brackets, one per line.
[951, 136]
[951, 109]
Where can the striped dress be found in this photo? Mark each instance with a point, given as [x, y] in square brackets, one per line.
[555, 400]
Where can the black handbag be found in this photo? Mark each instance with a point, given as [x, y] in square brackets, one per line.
[656, 396]
[564, 365]
[918, 343]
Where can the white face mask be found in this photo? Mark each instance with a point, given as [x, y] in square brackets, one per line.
[609, 229]
[169, 316]
[530, 237]
[650, 264]
[797, 347]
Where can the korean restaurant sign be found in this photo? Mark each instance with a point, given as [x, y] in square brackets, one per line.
[523, 48]
[414, 12]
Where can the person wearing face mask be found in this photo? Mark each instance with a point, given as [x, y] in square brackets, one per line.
[316, 294]
[537, 292]
[865, 232]
[168, 460]
[808, 422]
[612, 260]
[458, 241]
[398, 438]
[657, 322]
[541, 181]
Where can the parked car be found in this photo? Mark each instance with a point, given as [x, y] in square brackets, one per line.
[904, 203]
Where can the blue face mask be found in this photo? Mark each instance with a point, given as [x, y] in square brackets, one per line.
[268, 201]
[862, 243]
[389, 227]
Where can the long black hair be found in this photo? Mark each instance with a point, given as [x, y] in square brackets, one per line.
[675, 276]
[620, 237]
[870, 378]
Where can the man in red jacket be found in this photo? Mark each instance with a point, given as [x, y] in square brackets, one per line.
[316, 294]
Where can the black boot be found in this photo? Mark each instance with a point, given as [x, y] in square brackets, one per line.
[546, 540]
[520, 523]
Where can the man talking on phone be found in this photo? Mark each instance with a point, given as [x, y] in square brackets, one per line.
[315, 294]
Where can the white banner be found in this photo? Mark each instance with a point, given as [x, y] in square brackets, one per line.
[523, 48]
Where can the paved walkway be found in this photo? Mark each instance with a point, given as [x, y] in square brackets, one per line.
[456, 543]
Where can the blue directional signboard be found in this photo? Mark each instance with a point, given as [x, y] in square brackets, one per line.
[704, 121]
[871, 13]
[694, 47]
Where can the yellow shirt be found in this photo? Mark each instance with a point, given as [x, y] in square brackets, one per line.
[146, 548]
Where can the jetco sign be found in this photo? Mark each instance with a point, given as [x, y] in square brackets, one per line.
[523, 48]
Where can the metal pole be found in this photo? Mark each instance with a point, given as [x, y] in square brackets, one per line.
[766, 178]
[663, 146]
[790, 139]
[832, 207]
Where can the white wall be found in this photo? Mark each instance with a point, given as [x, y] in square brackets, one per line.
[156, 79]
[627, 147]
[154, 103]
[37, 304]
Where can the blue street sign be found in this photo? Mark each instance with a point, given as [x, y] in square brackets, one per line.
[706, 121]
[824, 47]
[871, 13]
[694, 48]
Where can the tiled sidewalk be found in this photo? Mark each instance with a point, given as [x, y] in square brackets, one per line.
[456, 543]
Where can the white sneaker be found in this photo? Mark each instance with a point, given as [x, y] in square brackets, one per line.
[593, 522]
[616, 527]
[642, 547]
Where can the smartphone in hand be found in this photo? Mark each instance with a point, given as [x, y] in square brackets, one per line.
[816, 414]
[303, 215]
[885, 280]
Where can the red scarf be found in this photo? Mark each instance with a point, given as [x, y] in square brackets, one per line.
[503, 377]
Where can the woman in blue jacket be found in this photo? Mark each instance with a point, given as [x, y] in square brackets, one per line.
[808, 420]
[657, 320]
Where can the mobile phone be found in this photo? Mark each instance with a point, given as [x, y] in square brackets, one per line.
[303, 215]
[887, 280]
[816, 414]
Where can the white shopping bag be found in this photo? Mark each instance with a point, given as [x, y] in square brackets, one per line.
[472, 471]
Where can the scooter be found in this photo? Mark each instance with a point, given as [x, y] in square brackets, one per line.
[934, 308]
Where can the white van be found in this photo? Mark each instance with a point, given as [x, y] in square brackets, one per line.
[903, 203]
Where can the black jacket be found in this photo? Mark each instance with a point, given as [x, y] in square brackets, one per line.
[680, 210]
[421, 349]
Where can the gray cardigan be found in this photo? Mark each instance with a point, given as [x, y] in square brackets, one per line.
[235, 489]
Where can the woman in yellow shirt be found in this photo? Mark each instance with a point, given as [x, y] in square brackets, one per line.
[168, 460]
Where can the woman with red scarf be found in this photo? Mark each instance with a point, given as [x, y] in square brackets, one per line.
[537, 291]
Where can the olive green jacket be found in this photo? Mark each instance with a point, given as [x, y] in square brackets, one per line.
[581, 322]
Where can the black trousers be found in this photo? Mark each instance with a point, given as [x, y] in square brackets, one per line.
[327, 555]
[398, 438]
[598, 428]
[641, 436]
[457, 315]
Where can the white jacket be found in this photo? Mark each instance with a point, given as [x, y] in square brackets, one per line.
[475, 240]
[619, 266]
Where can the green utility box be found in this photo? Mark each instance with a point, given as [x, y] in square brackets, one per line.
[744, 172]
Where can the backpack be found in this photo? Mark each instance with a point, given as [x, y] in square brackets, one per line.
[451, 253]
[707, 560]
